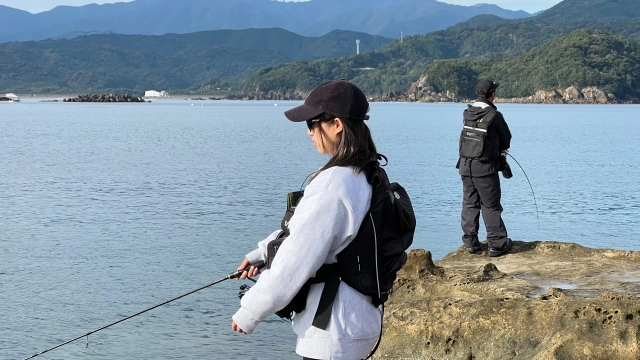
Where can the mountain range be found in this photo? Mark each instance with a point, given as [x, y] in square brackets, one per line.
[398, 64]
[310, 18]
[275, 59]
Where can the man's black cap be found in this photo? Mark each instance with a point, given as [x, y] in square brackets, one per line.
[339, 98]
[486, 87]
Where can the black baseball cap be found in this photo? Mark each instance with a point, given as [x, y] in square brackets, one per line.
[486, 87]
[339, 98]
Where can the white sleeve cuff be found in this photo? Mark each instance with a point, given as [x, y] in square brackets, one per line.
[245, 321]
[256, 255]
[260, 254]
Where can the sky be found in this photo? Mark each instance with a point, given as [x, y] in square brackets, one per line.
[36, 6]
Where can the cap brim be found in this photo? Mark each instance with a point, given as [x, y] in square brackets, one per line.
[302, 113]
[496, 85]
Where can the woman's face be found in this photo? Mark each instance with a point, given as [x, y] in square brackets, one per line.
[325, 135]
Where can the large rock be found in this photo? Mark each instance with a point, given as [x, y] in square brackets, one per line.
[421, 91]
[572, 94]
[547, 97]
[594, 95]
[542, 300]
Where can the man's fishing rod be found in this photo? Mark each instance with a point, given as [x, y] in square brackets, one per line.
[534, 195]
[233, 275]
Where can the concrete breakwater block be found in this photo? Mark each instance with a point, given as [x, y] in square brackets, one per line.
[106, 98]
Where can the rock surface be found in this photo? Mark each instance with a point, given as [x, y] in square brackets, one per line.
[542, 300]
[271, 95]
[422, 91]
[571, 95]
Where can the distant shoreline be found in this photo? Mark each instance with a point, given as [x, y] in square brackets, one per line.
[60, 97]
[67, 96]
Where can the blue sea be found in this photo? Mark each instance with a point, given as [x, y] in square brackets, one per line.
[108, 209]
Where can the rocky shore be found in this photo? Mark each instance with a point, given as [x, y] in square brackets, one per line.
[542, 300]
[271, 95]
[106, 98]
[422, 91]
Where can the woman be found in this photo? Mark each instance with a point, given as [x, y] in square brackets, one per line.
[326, 219]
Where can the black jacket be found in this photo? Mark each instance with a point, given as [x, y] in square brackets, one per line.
[497, 133]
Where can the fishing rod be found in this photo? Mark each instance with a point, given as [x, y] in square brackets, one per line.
[233, 275]
[535, 202]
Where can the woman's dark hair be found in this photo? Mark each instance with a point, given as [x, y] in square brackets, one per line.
[355, 146]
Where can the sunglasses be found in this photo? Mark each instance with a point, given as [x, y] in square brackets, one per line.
[312, 122]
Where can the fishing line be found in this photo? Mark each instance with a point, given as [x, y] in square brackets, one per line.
[233, 275]
[531, 187]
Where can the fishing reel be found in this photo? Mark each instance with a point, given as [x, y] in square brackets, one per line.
[244, 288]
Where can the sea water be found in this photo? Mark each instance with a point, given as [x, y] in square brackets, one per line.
[107, 209]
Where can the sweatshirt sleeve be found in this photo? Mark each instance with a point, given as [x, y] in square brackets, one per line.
[504, 134]
[322, 217]
[260, 254]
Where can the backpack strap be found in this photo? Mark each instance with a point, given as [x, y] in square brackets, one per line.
[329, 292]
[374, 174]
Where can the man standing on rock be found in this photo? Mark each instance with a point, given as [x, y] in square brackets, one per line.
[484, 139]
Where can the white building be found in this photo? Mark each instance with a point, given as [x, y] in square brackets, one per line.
[152, 93]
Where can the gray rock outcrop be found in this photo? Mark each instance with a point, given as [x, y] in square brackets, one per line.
[271, 95]
[423, 91]
[420, 91]
[571, 95]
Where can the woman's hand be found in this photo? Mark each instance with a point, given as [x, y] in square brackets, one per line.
[237, 328]
[250, 271]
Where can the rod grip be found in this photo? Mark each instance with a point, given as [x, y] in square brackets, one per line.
[236, 274]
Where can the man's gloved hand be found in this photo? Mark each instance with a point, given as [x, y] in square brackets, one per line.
[504, 166]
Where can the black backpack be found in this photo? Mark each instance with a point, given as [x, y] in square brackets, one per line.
[371, 261]
[473, 139]
[384, 235]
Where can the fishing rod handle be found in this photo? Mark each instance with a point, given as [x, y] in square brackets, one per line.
[236, 274]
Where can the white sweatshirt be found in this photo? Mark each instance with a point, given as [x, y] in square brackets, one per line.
[325, 221]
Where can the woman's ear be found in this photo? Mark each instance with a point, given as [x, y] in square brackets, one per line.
[337, 125]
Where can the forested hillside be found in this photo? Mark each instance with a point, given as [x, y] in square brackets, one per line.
[584, 11]
[582, 58]
[137, 62]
